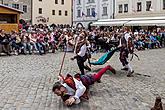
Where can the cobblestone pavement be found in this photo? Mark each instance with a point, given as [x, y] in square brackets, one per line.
[26, 83]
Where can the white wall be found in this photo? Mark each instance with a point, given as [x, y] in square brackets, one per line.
[157, 9]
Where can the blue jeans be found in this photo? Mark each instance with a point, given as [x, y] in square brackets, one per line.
[27, 46]
[41, 46]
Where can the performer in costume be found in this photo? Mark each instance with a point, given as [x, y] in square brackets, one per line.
[81, 53]
[72, 89]
[126, 48]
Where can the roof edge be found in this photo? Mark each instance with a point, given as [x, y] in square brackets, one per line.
[1, 5]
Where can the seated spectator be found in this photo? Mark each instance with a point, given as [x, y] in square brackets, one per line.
[4, 43]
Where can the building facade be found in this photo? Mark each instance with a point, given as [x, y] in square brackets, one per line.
[52, 12]
[87, 11]
[24, 5]
[139, 8]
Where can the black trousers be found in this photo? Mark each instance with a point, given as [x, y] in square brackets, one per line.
[123, 56]
[80, 62]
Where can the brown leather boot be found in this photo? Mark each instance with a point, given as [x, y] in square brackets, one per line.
[158, 104]
[130, 73]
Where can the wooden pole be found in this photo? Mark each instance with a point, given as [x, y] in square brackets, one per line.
[62, 65]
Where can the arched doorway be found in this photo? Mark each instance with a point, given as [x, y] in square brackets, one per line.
[89, 26]
[79, 25]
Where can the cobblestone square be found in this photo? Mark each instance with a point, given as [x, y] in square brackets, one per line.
[26, 83]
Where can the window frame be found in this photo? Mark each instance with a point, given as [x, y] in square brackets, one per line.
[79, 2]
[139, 6]
[62, 2]
[88, 12]
[53, 12]
[163, 4]
[56, 1]
[66, 13]
[148, 5]
[40, 11]
[120, 6]
[25, 7]
[105, 13]
[78, 13]
[16, 6]
[60, 12]
[125, 7]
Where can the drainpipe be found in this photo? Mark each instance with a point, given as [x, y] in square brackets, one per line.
[72, 13]
[113, 9]
[31, 11]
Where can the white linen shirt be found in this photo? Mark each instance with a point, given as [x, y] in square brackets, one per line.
[82, 51]
[80, 89]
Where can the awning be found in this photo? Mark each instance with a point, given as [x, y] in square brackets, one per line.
[146, 23]
[134, 19]
[143, 21]
[111, 23]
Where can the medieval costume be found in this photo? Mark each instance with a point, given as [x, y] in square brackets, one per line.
[126, 48]
[81, 54]
[75, 88]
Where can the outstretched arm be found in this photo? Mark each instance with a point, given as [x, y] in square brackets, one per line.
[80, 90]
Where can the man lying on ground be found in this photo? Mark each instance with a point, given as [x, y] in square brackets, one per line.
[72, 89]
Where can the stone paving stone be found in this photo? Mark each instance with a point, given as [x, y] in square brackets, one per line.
[26, 83]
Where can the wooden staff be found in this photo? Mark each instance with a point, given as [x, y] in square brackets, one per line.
[60, 68]
[62, 65]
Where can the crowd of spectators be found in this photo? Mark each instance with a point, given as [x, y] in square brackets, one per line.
[42, 39]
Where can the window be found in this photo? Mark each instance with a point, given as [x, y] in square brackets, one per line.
[62, 2]
[139, 6]
[15, 6]
[78, 13]
[25, 8]
[40, 0]
[6, 4]
[88, 12]
[79, 2]
[40, 11]
[93, 12]
[56, 1]
[91, 1]
[66, 13]
[120, 8]
[164, 4]
[148, 5]
[60, 13]
[125, 8]
[53, 12]
[104, 11]
[8, 18]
